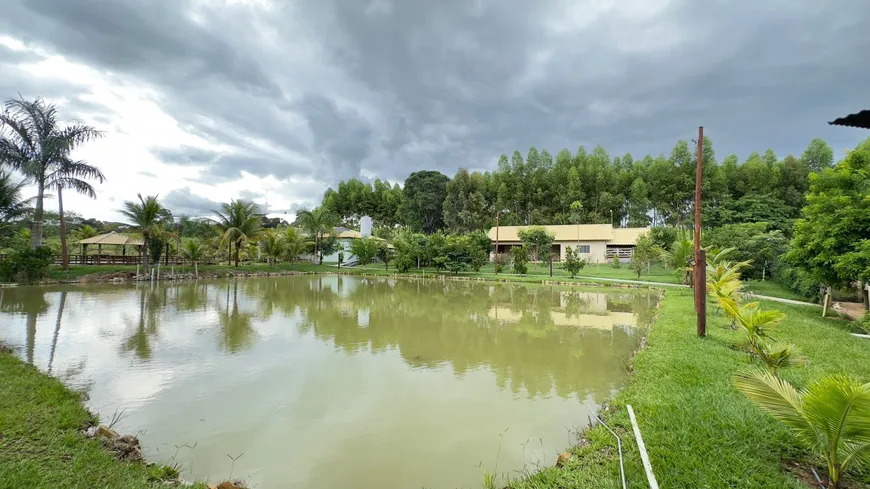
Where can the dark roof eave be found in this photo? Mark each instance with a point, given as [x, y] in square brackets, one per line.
[860, 120]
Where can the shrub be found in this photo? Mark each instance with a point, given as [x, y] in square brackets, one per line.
[520, 255]
[796, 279]
[573, 262]
[616, 261]
[27, 265]
[504, 261]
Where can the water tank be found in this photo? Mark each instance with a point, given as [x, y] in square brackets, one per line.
[365, 226]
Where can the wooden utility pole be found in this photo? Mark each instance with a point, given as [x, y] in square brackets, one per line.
[495, 258]
[700, 274]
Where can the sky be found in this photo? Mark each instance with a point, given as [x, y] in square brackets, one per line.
[202, 101]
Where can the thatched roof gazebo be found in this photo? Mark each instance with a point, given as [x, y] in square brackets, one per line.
[113, 238]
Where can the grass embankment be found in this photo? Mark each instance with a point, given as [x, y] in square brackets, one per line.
[699, 430]
[41, 444]
[772, 289]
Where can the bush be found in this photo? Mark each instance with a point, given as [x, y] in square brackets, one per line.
[616, 261]
[864, 322]
[796, 280]
[504, 261]
[520, 255]
[27, 265]
[573, 262]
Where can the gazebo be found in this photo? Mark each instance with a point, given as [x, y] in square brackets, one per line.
[113, 238]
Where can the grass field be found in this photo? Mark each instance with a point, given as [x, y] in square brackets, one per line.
[40, 441]
[699, 430]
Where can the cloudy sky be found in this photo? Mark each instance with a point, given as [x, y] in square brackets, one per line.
[206, 100]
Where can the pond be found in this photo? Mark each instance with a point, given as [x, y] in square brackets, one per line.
[332, 381]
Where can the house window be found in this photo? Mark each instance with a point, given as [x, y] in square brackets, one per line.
[583, 249]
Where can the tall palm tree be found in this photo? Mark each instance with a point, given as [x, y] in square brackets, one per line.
[73, 175]
[12, 204]
[148, 217]
[238, 221]
[34, 142]
[318, 223]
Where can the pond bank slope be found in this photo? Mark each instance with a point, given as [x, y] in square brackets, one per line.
[41, 440]
[700, 432]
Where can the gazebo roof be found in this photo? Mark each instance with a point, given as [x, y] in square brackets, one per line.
[858, 119]
[113, 238]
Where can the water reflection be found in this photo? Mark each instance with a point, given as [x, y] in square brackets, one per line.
[365, 370]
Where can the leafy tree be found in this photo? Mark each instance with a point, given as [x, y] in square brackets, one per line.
[818, 155]
[318, 223]
[365, 249]
[520, 258]
[537, 239]
[149, 218]
[573, 262]
[329, 245]
[752, 243]
[638, 215]
[73, 175]
[465, 206]
[831, 239]
[435, 250]
[238, 222]
[645, 252]
[409, 249]
[664, 236]
[457, 253]
[831, 416]
[34, 142]
[27, 265]
[615, 261]
[425, 192]
[385, 254]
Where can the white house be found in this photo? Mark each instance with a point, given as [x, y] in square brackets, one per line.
[597, 243]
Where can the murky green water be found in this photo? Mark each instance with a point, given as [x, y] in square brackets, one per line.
[336, 382]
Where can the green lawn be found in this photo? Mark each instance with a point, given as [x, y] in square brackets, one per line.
[41, 444]
[772, 289]
[699, 430]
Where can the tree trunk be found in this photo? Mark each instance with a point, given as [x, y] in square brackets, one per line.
[238, 245]
[64, 252]
[36, 230]
[145, 253]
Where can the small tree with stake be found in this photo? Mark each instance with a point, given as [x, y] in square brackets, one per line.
[537, 239]
[573, 262]
[645, 251]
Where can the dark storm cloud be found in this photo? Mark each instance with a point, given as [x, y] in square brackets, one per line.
[327, 89]
[183, 201]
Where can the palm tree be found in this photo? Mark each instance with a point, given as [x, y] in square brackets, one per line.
[34, 142]
[12, 204]
[831, 416]
[318, 223]
[148, 217]
[193, 251]
[679, 257]
[84, 232]
[72, 175]
[238, 221]
[294, 244]
[272, 245]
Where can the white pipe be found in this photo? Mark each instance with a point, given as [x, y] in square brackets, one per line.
[865, 336]
[642, 448]
[618, 447]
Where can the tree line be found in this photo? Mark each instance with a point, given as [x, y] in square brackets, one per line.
[591, 187]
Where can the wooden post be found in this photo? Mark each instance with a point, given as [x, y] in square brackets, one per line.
[495, 259]
[700, 256]
[99, 252]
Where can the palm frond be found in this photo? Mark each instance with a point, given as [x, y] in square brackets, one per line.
[774, 395]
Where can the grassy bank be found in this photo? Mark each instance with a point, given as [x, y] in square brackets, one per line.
[699, 430]
[41, 444]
